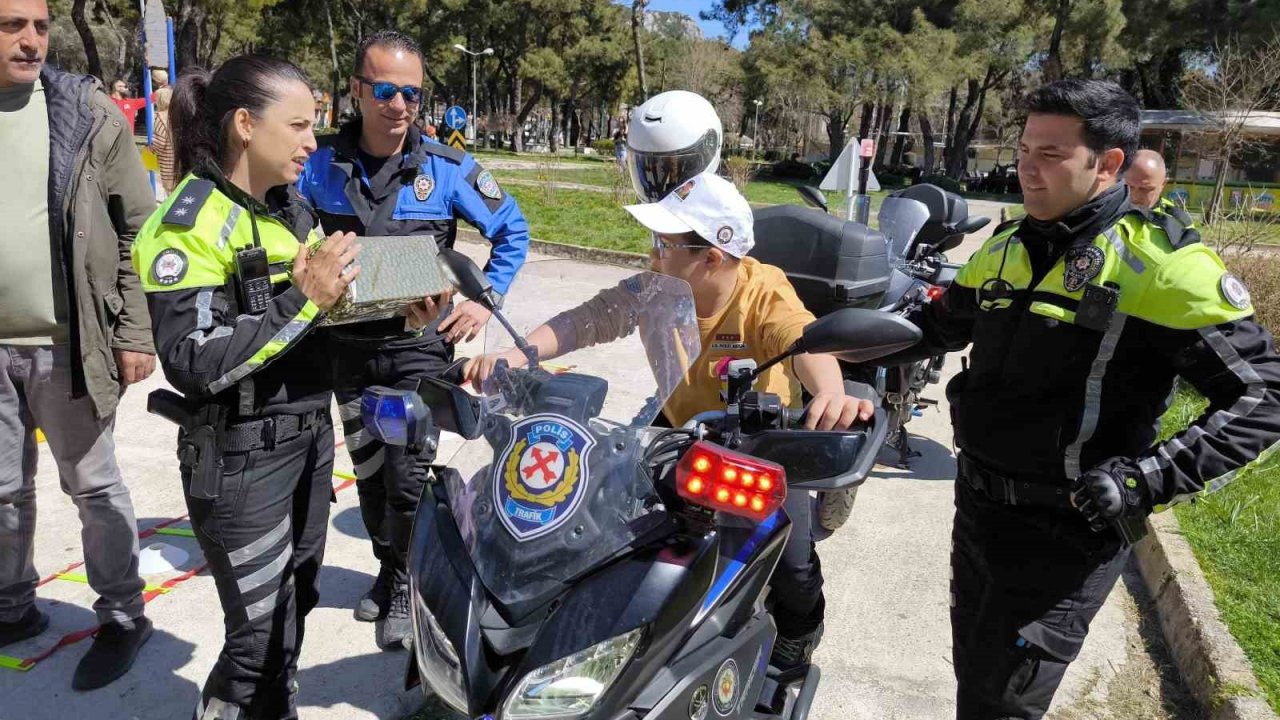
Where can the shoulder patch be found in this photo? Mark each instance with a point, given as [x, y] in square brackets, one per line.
[186, 206]
[169, 267]
[1235, 292]
[487, 186]
[444, 151]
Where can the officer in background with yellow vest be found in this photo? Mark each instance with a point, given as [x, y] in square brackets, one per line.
[1081, 316]
[235, 292]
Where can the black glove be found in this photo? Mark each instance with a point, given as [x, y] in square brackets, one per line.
[1113, 490]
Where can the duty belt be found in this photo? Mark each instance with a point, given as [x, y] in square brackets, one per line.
[266, 432]
[1008, 490]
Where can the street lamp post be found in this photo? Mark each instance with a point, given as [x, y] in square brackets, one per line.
[471, 125]
[755, 144]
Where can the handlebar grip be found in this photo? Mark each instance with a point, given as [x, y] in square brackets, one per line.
[793, 419]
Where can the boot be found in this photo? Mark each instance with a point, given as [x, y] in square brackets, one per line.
[115, 647]
[790, 653]
[32, 623]
[373, 606]
[396, 626]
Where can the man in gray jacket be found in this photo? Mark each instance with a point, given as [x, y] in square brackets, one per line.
[74, 331]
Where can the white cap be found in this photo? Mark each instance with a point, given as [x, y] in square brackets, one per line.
[708, 205]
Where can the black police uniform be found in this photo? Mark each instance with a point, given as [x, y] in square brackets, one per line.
[1079, 329]
[420, 192]
[254, 396]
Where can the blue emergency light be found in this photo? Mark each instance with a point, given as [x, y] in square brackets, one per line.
[396, 417]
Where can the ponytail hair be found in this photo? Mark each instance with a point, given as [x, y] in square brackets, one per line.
[204, 103]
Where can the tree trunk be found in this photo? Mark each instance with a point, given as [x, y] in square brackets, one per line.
[522, 114]
[950, 129]
[86, 37]
[552, 141]
[336, 79]
[1053, 61]
[958, 148]
[835, 133]
[900, 142]
[882, 135]
[868, 114]
[517, 88]
[637, 21]
[926, 134]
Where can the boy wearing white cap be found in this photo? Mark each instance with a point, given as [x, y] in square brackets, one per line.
[702, 232]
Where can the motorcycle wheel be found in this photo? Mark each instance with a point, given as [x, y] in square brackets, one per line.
[834, 507]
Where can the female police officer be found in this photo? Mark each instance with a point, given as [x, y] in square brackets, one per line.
[235, 332]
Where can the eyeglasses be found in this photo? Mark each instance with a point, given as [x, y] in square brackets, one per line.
[660, 248]
[385, 91]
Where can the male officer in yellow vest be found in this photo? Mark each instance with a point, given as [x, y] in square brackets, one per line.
[1081, 316]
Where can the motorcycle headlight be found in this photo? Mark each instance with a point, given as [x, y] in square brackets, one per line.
[569, 687]
[396, 417]
[437, 658]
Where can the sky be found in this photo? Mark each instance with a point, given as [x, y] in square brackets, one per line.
[691, 8]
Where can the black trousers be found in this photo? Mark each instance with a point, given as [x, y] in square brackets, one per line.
[798, 602]
[388, 480]
[264, 541]
[1026, 583]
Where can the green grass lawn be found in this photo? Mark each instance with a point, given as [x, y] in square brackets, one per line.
[759, 191]
[579, 217]
[1235, 534]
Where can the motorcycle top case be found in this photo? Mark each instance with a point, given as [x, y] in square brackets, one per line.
[832, 264]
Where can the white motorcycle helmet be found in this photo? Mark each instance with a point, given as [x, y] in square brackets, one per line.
[672, 137]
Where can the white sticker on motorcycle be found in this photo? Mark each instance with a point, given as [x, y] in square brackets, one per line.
[539, 480]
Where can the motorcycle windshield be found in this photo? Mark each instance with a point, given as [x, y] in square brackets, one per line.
[901, 219]
[557, 484]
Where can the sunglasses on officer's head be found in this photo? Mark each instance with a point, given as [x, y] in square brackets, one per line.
[385, 91]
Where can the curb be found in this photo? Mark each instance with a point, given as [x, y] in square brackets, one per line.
[1210, 661]
[571, 252]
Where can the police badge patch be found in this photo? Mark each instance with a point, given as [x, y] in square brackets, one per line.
[1082, 264]
[540, 479]
[726, 687]
[724, 235]
[422, 187]
[1235, 292]
[170, 267]
[487, 186]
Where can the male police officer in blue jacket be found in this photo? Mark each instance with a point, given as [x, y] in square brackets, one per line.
[380, 176]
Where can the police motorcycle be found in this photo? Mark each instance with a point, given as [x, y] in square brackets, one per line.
[574, 562]
[835, 264]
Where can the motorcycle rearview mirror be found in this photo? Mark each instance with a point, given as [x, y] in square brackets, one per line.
[452, 408]
[473, 285]
[470, 279]
[855, 335]
[813, 197]
[972, 224]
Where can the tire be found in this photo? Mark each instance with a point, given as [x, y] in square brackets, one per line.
[835, 506]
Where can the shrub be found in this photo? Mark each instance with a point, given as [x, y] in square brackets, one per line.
[1261, 273]
[891, 180]
[604, 146]
[943, 182]
[793, 170]
[740, 170]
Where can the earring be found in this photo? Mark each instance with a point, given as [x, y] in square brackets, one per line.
[246, 143]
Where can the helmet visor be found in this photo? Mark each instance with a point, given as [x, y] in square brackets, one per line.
[655, 174]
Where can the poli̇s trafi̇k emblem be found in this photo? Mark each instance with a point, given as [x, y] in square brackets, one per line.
[540, 479]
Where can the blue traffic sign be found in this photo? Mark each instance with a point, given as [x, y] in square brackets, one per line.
[455, 117]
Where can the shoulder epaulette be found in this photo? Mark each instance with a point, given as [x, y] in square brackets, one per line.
[186, 206]
[1006, 225]
[1177, 225]
[443, 151]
